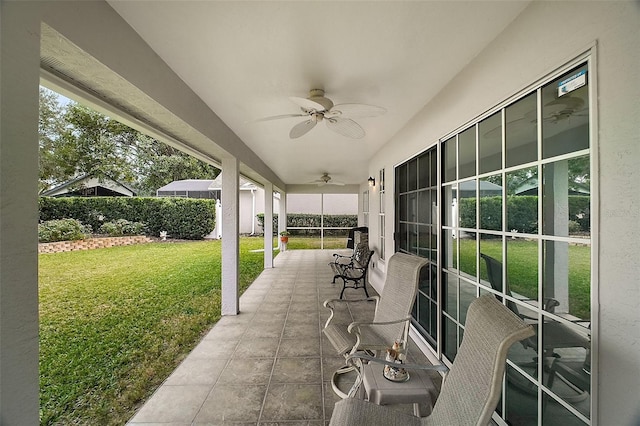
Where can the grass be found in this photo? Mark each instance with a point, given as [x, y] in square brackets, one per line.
[301, 242]
[114, 323]
[523, 269]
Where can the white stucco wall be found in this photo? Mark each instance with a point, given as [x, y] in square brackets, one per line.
[331, 204]
[251, 203]
[543, 38]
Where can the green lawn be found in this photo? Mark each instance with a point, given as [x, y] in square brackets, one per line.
[114, 323]
[304, 242]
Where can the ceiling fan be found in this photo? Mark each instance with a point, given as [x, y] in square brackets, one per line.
[325, 179]
[564, 108]
[317, 108]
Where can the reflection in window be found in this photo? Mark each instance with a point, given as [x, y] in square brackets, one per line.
[424, 206]
[521, 131]
[490, 144]
[522, 201]
[450, 295]
[525, 354]
[491, 261]
[567, 278]
[450, 250]
[450, 203]
[412, 175]
[450, 339]
[467, 243]
[557, 415]
[424, 241]
[567, 197]
[521, 399]
[565, 116]
[467, 295]
[467, 204]
[491, 203]
[467, 153]
[522, 269]
[449, 160]
[424, 170]
[570, 379]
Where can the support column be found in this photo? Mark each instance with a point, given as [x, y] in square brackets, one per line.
[268, 225]
[19, 80]
[230, 240]
[282, 219]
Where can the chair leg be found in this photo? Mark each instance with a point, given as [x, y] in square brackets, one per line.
[354, 389]
[344, 287]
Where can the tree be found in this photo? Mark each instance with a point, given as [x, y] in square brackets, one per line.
[50, 128]
[76, 141]
[159, 164]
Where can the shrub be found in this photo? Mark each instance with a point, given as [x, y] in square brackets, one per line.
[62, 230]
[312, 221]
[122, 227]
[185, 218]
[574, 227]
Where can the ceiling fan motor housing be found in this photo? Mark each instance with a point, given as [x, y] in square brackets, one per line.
[317, 96]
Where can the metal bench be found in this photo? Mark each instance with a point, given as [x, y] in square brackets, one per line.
[352, 269]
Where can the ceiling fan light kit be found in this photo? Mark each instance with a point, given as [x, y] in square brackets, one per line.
[319, 108]
[325, 179]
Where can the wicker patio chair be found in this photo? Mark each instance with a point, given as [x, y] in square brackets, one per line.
[471, 389]
[391, 319]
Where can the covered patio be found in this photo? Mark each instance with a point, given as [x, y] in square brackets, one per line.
[270, 364]
[453, 77]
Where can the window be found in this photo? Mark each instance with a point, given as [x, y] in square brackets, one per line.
[416, 232]
[515, 191]
[365, 208]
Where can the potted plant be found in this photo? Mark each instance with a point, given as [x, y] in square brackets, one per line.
[284, 237]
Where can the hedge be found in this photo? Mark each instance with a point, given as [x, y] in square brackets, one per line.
[522, 213]
[303, 220]
[182, 218]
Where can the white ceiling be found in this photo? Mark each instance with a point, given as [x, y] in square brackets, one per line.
[245, 59]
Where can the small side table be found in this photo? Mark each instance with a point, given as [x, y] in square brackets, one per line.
[419, 389]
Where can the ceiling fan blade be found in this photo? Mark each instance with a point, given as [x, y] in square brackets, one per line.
[568, 102]
[345, 127]
[307, 104]
[356, 110]
[278, 117]
[302, 128]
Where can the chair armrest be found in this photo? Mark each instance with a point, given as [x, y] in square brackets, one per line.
[336, 255]
[340, 259]
[366, 357]
[549, 304]
[327, 303]
[370, 324]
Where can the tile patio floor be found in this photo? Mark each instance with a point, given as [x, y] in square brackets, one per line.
[269, 365]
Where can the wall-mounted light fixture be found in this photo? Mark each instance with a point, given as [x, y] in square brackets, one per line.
[372, 181]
